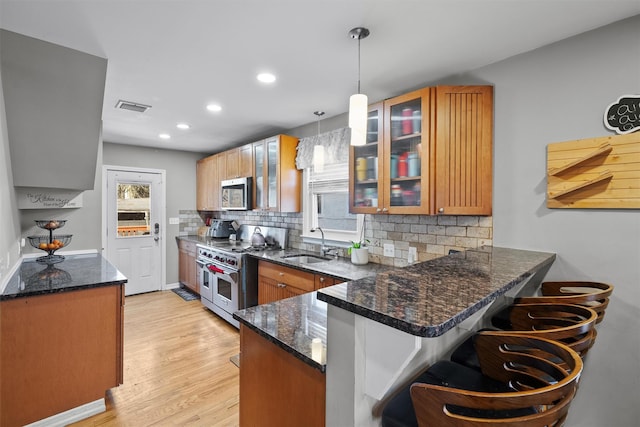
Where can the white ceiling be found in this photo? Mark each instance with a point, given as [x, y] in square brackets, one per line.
[179, 55]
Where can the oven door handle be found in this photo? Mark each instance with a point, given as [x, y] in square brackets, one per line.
[215, 269]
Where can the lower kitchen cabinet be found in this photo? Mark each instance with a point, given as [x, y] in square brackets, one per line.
[59, 351]
[187, 273]
[322, 281]
[276, 282]
[276, 388]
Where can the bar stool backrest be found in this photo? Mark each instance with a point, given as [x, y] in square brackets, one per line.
[536, 370]
[594, 295]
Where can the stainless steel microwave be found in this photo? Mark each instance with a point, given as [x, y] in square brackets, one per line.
[236, 194]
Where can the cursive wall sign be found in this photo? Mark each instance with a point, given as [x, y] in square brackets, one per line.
[41, 198]
[623, 116]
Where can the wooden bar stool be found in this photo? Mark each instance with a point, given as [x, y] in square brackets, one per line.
[573, 325]
[594, 295]
[525, 381]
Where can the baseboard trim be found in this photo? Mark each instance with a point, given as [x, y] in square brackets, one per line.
[170, 286]
[72, 415]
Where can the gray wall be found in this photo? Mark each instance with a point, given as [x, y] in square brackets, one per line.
[554, 94]
[180, 167]
[9, 215]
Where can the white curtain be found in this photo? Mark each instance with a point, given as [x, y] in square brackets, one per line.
[335, 143]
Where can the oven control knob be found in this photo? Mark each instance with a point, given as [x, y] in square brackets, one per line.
[232, 261]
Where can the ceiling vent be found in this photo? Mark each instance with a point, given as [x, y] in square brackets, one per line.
[132, 106]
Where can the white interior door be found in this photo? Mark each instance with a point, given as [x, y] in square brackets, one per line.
[134, 227]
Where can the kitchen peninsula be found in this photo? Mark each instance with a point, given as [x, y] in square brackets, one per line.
[61, 331]
[379, 331]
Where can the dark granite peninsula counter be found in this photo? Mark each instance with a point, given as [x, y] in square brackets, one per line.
[292, 324]
[383, 330]
[61, 332]
[429, 298]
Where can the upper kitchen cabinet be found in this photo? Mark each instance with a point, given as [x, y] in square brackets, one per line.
[390, 173]
[427, 152]
[207, 184]
[276, 180]
[463, 150]
[238, 162]
[53, 99]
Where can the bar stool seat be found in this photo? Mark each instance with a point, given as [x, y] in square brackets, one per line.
[521, 382]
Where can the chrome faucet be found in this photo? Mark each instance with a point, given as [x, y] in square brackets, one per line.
[324, 250]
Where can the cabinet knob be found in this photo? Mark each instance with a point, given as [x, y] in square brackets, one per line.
[378, 210]
[281, 273]
[282, 285]
[441, 210]
[385, 210]
[322, 280]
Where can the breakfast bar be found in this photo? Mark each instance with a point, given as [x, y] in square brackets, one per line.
[381, 331]
[375, 332]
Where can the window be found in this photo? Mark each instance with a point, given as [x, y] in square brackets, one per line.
[326, 204]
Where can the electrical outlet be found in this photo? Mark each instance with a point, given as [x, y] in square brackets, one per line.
[389, 249]
[413, 255]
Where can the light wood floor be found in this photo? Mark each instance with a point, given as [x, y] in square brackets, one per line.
[176, 366]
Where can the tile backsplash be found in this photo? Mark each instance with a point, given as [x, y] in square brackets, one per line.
[432, 236]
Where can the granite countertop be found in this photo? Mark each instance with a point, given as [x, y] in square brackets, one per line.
[340, 268]
[74, 273]
[291, 324]
[429, 298]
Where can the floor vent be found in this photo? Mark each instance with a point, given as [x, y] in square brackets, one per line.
[132, 106]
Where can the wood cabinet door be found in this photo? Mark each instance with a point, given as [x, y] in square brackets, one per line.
[463, 150]
[323, 281]
[268, 290]
[207, 184]
[232, 163]
[366, 167]
[406, 161]
[245, 161]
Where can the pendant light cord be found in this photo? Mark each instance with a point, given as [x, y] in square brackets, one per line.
[358, 65]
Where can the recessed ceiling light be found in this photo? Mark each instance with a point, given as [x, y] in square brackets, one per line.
[266, 77]
[164, 136]
[183, 126]
[214, 107]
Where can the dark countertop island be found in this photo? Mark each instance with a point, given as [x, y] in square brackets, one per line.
[74, 273]
[61, 347]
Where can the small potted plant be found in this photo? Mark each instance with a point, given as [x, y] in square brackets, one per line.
[359, 251]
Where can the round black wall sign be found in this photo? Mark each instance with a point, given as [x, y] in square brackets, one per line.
[623, 116]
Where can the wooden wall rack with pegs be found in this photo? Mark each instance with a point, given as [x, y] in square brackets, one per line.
[594, 173]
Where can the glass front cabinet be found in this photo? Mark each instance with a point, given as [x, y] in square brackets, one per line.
[276, 180]
[390, 173]
[427, 152]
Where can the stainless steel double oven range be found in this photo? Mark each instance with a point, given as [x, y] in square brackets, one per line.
[227, 278]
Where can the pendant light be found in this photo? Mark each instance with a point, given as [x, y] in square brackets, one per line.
[358, 103]
[318, 150]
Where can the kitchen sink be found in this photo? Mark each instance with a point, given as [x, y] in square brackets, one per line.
[306, 259]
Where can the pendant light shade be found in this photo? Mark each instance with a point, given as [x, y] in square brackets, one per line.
[358, 103]
[318, 150]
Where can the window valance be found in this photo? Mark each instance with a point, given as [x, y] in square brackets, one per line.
[335, 144]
